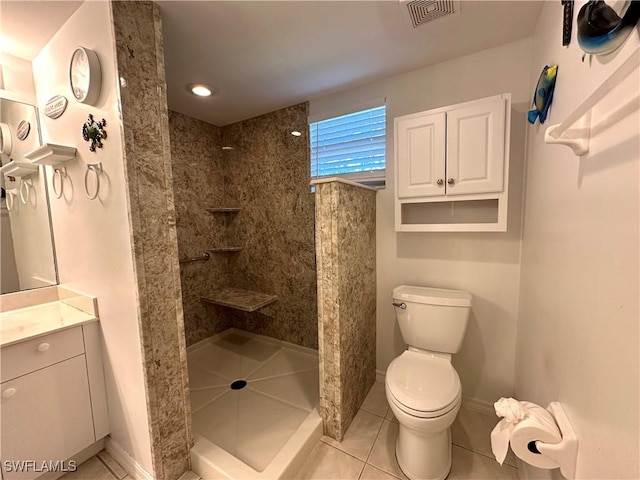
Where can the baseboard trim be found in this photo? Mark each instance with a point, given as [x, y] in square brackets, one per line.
[477, 405]
[90, 451]
[380, 374]
[130, 465]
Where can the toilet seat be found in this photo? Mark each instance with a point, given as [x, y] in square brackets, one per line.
[423, 385]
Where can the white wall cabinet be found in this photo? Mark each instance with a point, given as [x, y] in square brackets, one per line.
[452, 167]
[53, 398]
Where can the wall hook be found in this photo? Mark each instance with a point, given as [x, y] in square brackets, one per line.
[97, 169]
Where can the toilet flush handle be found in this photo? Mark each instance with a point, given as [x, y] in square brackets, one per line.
[400, 305]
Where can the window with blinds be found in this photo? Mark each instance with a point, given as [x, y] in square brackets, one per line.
[350, 146]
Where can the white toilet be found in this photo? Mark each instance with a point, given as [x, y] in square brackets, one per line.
[423, 389]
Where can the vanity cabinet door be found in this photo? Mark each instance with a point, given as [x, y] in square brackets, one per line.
[421, 155]
[46, 415]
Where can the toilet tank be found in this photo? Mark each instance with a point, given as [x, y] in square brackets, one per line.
[433, 319]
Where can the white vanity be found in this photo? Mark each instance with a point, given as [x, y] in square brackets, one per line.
[52, 382]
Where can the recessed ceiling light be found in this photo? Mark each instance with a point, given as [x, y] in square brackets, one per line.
[200, 90]
[296, 133]
[227, 148]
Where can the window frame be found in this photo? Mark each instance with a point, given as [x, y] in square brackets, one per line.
[375, 178]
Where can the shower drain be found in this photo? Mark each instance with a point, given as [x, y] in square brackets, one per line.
[238, 384]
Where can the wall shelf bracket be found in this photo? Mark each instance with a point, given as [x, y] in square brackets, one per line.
[51, 154]
[576, 137]
[19, 169]
[575, 130]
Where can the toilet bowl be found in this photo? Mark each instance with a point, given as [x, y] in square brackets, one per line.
[424, 394]
[422, 387]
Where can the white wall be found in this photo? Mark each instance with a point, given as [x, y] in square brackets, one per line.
[17, 78]
[485, 264]
[578, 325]
[93, 243]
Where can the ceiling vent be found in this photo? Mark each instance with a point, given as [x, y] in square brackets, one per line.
[419, 12]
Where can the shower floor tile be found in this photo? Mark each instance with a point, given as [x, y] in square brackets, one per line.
[299, 389]
[233, 356]
[286, 361]
[248, 425]
[254, 422]
[201, 397]
[200, 377]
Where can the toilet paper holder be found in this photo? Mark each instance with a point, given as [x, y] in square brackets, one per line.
[564, 453]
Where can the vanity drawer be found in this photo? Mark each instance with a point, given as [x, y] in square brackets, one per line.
[31, 355]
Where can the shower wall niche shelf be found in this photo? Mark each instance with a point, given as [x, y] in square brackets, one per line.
[51, 154]
[223, 209]
[225, 249]
[245, 300]
[575, 130]
[19, 169]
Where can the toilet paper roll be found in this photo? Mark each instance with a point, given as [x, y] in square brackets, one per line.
[538, 425]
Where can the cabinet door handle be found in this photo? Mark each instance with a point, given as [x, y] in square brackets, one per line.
[440, 182]
[43, 347]
[8, 393]
[451, 181]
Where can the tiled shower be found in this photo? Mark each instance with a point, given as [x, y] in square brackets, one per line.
[245, 228]
[242, 195]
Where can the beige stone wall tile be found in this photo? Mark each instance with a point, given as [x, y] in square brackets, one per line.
[140, 58]
[345, 243]
[268, 174]
[198, 183]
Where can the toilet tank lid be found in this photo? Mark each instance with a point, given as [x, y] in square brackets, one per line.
[432, 296]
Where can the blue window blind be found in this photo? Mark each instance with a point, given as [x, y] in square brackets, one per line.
[351, 145]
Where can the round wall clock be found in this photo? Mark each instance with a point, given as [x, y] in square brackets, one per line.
[85, 76]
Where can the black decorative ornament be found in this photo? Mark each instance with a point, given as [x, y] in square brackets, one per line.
[94, 132]
[601, 30]
[567, 21]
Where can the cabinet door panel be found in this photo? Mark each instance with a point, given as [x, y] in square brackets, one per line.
[421, 150]
[475, 148]
[48, 415]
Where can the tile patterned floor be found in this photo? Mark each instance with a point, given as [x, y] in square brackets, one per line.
[100, 467]
[104, 467]
[368, 450]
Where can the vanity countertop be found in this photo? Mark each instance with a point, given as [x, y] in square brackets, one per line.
[25, 323]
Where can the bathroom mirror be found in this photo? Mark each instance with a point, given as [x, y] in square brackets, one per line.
[26, 244]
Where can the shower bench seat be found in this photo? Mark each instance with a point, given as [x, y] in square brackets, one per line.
[245, 300]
